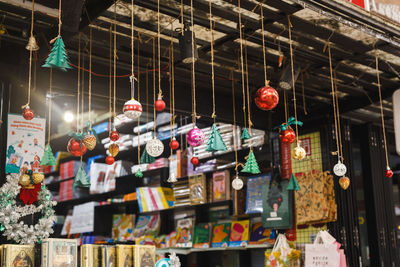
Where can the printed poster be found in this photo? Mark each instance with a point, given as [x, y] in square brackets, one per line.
[25, 143]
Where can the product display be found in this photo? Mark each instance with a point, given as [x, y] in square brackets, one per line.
[184, 233]
[17, 255]
[59, 252]
[220, 235]
[239, 236]
[202, 235]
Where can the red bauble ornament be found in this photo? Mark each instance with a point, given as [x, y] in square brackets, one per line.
[110, 160]
[28, 113]
[287, 136]
[76, 148]
[160, 104]
[114, 136]
[266, 98]
[389, 173]
[194, 161]
[174, 145]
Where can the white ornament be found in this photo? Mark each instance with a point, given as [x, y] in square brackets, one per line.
[237, 183]
[154, 147]
[299, 153]
[339, 169]
[172, 178]
[132, 109]
[174, 260]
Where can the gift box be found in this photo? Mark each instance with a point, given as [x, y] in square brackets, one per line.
[70, 168]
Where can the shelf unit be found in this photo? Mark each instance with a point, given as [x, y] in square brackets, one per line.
[187, 251]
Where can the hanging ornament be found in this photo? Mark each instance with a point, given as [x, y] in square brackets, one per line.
[159, 104]
[344, 182]
[113, 149]
[299, 153]
[287, 136]
[25, 181]
[132, 109]
[146, 158]
[37, 177]
[48, 157]
[58, 57]
[154, 147]
[114, 135]
[90, 141]
[215, 142]
[266, 98]
[32, 44]
[237, 183]
[172, 178]
[251, 165]
[195, 137]
[174, 145]
[194, 161]
[139, 173]
[339, 169]
[110, 160]
[81, 179]
[76, 147]
[245, 134]
[293, 184]
[28, 113]
[389, 173]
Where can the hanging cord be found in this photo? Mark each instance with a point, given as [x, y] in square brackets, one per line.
[286, 108]
[90, 80]
[194, 114]
[147, 93]
[138, 94]
[234, 120]
[79, 83]
[381, 105]
[250, 123]
[171, 123]
[182, 24]
[154, 86]
[303, 95]
[212, 61]
[59, 18]
[263, 45]
[110, 82]
[132, 77]
[159, 50]
[115, 61]
[50, 102]
[293, 81]
[82, 91]
[172, 82]
[242, 65]
[338, 116]
[30, 58]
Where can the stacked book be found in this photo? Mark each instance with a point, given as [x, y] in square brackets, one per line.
[181, 193]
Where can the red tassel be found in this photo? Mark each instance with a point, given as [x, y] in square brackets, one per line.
[29, 196]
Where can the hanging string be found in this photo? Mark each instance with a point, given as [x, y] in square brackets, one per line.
[234, 120]
[82, 91]
[90, 80]
[286, 108]
[171, 122]
[59, 18]
[115, 61]
[159, 50]
[338, 116]
[194, 114]
[212, 60]
[293, 81]
[182, 24]
[154, 86]
[173, 85]
[147, 94]
[110, 82]
[30, 57]
[50, 102]
[248, 90]
[132, 77]
[303, 95]
[263, 44]
[138, 94]
[381, 105]
[79, 83]
[242, 64]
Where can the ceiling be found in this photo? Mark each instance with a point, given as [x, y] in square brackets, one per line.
[352, 35]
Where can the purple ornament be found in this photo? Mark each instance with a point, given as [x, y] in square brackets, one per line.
[195, 137]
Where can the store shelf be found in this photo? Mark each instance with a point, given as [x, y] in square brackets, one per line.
[118, 204]
[55, 186]
[186, 251]
[204, 205]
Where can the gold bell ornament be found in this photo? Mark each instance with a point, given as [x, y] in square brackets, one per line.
[113, 149]
[344, 182]
[299, 153]
[25, 181]
[32, 44]
[37, 177]
[90, 141]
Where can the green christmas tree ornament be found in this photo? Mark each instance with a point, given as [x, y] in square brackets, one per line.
[293, 184]
[58, 57]
[48, 157]
[146, 158]
[245, 134]
[81, 179]
[251, 165]
[215, 142]
[139, 173]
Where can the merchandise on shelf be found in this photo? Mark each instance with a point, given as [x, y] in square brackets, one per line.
[70, 168]
[254, 199]
[16, 255]
[154, 198]
[221, 186]
[257, 139]
[91, 255]
[144, 138]
[198, 189]
[178, 164]
[202, 235]
[124, 255]
[182, 193]
[260, 235]
[122, 227]
[59, 252]
[219, 213]
[184, 235]
[220, 234]
[239, 236]
[147, 225]
[145, 256]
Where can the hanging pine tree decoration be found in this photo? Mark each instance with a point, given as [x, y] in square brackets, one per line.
[146, 158]
[81, 179]
[58, 57]
[139, 173]
[245, 134]
[215, 142]
[251, 165]
[293, 184]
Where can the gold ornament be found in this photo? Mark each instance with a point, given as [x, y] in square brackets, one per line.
[25, 181]
[32, 44]
[298, 153]
[344, 182]
[113, 149]
[90, 141]
[37, 178]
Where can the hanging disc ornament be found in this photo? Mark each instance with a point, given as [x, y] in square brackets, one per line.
[159, 104]
[132, 109]
[298, 153]
[174, 145]
[237, 183]
[28, 113]
[113, 149]
[90, 141]
[76, 148]
[344, 182]
[154, 147]
[287, 136]
[266, 98]
[195, 137]
[114, 135]
[339, 169]
[194, 161]
[389, 173]
[110, 160]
